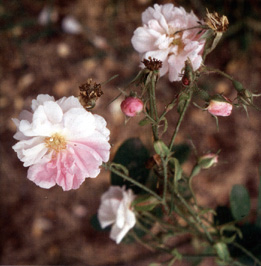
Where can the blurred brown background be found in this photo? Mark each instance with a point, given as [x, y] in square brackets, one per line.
[52, 227]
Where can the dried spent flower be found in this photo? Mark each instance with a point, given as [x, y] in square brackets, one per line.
[89, 93]
[216, 23]
[152, 64]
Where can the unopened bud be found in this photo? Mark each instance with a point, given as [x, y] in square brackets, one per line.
[132, 106]
[185, 81]
[220, 106]
[208, 160]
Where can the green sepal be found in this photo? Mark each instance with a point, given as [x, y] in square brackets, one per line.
[145, 203]
[161, 148]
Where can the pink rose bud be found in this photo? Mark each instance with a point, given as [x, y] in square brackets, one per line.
[208, 160]
[131, 106]
[220, 106]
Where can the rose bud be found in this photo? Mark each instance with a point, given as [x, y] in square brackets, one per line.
[220, 106]
[131, 106]
[208, 160]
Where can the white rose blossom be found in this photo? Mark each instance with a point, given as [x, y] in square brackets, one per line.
[115, 210]
[61, 142]
[158, 38]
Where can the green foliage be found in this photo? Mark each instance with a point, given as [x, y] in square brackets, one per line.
[239, 202]
[222, 251]
[161, 148]
[133, 155]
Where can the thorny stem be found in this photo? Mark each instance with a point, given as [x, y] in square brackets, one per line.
[219, 72]
[196, 218]
[133, 181]
[192, 28]
[165, 173]
[180, 120]
[153, 106]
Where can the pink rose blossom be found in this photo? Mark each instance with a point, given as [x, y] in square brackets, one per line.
[131, 106]
[61, 142]
[220, 108]
[157, 39]
[115, 210]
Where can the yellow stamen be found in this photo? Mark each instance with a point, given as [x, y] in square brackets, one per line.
[55, 142]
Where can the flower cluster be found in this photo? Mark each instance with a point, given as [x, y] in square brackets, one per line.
[166, 35]
[61, 142]
[115, 210]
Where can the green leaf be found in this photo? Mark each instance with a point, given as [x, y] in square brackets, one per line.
[222, 251]
[239, 202]
[161, 148]
[144, 121]
[132, 155]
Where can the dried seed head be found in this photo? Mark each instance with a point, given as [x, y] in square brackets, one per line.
[89, 93]
[216, 23]
[152, 64]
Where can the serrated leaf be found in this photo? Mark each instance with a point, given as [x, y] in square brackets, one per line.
[239, 202]
[132, 155]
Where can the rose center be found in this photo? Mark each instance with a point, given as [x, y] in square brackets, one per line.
[55, 142]
[177, 40]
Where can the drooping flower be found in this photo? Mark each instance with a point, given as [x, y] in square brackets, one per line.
[220, 106]
[163, 36]
[61, 142]
[115, 210]
[131, 106]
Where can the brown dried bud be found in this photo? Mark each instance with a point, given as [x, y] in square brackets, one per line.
[216, 23]
[152, 64]
[89, 93]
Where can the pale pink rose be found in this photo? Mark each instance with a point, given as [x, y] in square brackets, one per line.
[208, 160]
[220, 108]
[156, 39]
[61, 142]
[115, 210]
[131, 106]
